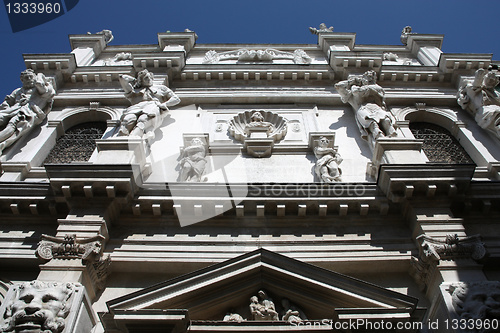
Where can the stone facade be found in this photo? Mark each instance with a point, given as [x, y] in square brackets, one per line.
[251, 188]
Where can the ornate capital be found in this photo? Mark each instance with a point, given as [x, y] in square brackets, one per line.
[69, 247]
[434, 250]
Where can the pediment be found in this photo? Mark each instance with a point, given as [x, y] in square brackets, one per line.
[208, 294]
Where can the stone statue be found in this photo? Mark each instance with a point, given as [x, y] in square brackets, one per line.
[404, 34]
[327, 163]
[262, 307]
[367, 99]
[38, 307]
[193, 161]
[322, 28]
[292, 313]
[480, 99]
[108, 35]
[148, 100]
[233, 316]
[257, 121]
[477, 300]
[25, 107]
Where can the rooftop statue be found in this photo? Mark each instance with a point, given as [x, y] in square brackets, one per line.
[404, 34]
[367, 99]
[25, 107]
[480, 99]
[322, 28]
[149, 102]
[108, 35]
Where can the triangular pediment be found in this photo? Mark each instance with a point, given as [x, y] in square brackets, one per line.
[209, 293]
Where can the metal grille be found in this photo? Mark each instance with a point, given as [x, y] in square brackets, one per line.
[439, 145]
[77, 144]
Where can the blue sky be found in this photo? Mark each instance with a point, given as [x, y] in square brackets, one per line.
[468, 26]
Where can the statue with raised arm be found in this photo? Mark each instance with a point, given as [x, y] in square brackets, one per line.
[25, 107]
[481, 100]
[327, 164]
[149, 102]
[367, 99]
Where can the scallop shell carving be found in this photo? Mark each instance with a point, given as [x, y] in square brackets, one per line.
[238, 126]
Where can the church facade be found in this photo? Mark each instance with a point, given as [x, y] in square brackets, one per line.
[184, 187]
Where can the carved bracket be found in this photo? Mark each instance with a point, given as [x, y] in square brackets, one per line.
[69, 247]
[434, 250]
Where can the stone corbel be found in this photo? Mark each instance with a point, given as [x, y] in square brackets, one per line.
[433, 250]
[70, 247]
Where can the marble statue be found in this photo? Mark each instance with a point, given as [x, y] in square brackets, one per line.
[25, 107]
[481, 100]
[477, 300]
[262, 307]
[108, 35]
[149, 102]
[322, 28]
[233, 316]
[367, 99]
[327, 164]
[38, 307]
[404, 34]
[292, 313]
[193, 161]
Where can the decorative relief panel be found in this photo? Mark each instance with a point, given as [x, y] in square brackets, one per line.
[193, 158]
[258, 131]
[299, 56]
[327, 168]
[477, 301]
[69, 247]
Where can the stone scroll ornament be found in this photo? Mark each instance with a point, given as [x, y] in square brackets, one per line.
[69, 247]
[258, 131]
[25, 107]
[299, 56]
[193, 161]
[38, 307]
[453, 247]
[367, 99]
[149, 103]
[482, 101]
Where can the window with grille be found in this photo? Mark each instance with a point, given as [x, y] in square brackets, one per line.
[439, 145]
[77, 144]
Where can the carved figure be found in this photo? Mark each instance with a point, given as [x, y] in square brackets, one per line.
[38, 307]
[25, 107]
[292, 313]
[322, 28]
[148, 100]
[262, 307]
[232, 316]
[327, 164]
[480, 99]
[257, 121]
[193, 161]
[477, 300]
[108, 35]
[404, 34]
[367, 99]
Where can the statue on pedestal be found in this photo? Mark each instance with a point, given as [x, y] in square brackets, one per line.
[25, 107]
[367, 99]
[148, 100]
[480, 99]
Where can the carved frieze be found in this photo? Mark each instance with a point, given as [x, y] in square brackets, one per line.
[453, 247]
[299, 56]
[258, 131]
[69, 247]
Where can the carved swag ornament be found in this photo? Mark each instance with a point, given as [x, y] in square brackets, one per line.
[38, 307]
[298, 56]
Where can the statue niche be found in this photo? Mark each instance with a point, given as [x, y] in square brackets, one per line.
[258, 131]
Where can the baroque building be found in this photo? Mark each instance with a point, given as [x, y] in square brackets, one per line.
[219, 188]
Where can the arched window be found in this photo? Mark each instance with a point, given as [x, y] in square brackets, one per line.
[439, 145]
[77, 144]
